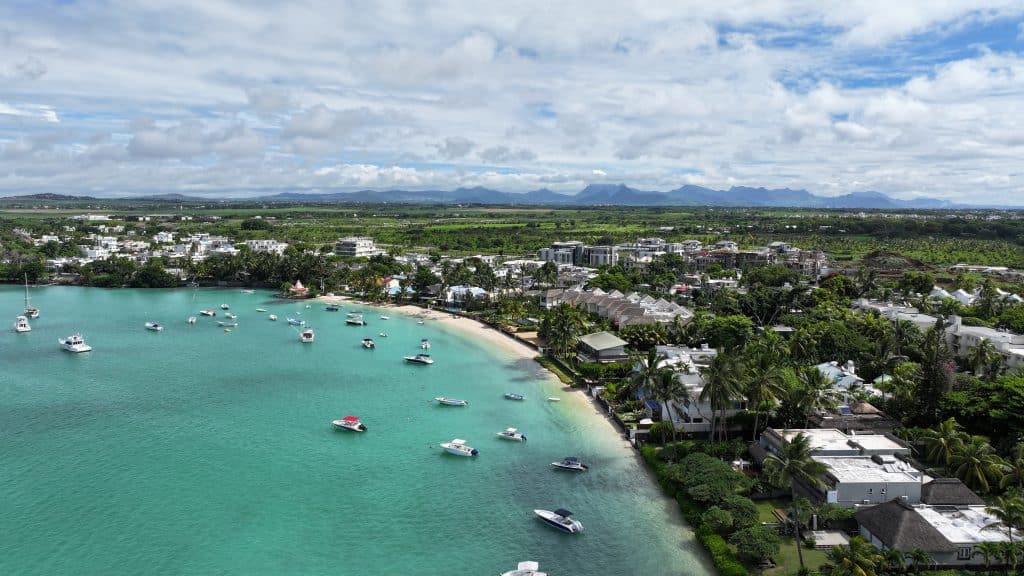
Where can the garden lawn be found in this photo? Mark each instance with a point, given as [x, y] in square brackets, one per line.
[787, 562]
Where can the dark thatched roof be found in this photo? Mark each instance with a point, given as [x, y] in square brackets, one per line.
[899, 527]
[949, 492]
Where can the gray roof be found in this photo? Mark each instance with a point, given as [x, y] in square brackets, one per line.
[899, 527]
[603, 341]
[949, 492]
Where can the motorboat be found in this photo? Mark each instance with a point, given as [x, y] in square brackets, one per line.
[208, 312]
[514, 396]
[369, 343]
[21, 324]
[512, 434]
[228, 330]
[296, 322]
[30, 310]
[191, 320]
[383, 334]
[420, 359]
[571, 463]
[425, 344]
[261, 309]
[451, 401]
[227, 324]
[355, 320]
[272, 317]
[526, 568]
[420, 322]
[554, 399]
[225, 307]
[74, 343]
[385, 317]
[349, 423]
[247, 291]
[561, 519]
[307, 336]
[231, 315]
[154, 326]
[459, 448]
[332, 308]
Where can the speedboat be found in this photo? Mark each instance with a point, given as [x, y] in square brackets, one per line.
[349, 423]
[21, 324]
[369, 343]
[425, 344]
[571, 463]
[451, 401]
[420, 359]
[74, 343]
[272, 317]
[225, 307]
[155, 327]
[512, 434]
[383, 334]
[459, 448]
[356, 320]
[191, 320]
[420, 322]
[514, 396]
[307, 336]
[227, 324]
[248, 291]
[554, 399]
[561, 519]
[208, 312]
[296, 322]
[30, 310]
[332, 308]
[385, 317]
[231, 315]
[261, 309]
[526, 568]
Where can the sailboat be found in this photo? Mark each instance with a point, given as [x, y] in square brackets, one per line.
[30, 310]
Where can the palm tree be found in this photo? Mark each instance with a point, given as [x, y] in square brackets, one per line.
[562, 328]
[1014, 470]
[764, 381]
[977, 464]
[988, 551]
[919, 558]
[722, 385]
[1009, 509]
[983, 358]
[860, 558]
[666, 387]
[817, 394]
[894, 560]
[648, 368]
[943, 441]
[793, 466]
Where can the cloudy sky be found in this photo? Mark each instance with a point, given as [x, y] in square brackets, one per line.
[216, 97]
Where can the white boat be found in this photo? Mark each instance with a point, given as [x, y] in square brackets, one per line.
[514, 396]
[526, 568]
[356, 320]
[191, 320]
[383, 334]
[307, 336]
[512, 434]
[420, 322]
[332, 308]
[459, 448]
[74, 343]
[296, 322]
[420, 359]
[452, 401]
[561, 519]
[261, 309]
[21, 324]
[571, 463]
[272, 317]
[231, 315]
[227, 324]
[385, 317]
[30, 310]
[155, 327]
[369, 343]
[554, 399]
[349, 423]
[225, 307]
[208, 312]
[425, 344]
[248, 291]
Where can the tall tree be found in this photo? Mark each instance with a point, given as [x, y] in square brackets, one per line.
[937, 372]
[859, 558]
[943, 441]
[763, 378]
[795, 465]
[562, 327]
[816, 394]
[977, 464]
[1009, 509]
[722, 386]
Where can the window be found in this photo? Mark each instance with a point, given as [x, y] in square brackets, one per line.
[882, 491]
[871, 490]
[964, 553]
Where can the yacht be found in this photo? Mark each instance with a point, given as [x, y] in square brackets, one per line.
[248, 291]
[452, 401]
[21, 324]
[332, 308]
[514, 396]
[30, 310]
[420, 322]
[420, 359]
[272, 317]
[227, 324]
[512, 434]
[225, 307]
[191, 320]
[296, 322]
[369, 343]
[231, 315]
[349, 423]
[208, 312]
[155, 327]
[571, 463]
[526, 568]
[307, 336]
[356, 320]
[425, 344]
[459, 448]
[261, 309]
[385, 317]
[561, 519]
[74, 343]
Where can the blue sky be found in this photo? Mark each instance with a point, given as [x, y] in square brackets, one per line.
[911, 98]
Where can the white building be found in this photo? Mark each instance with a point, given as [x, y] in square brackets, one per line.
[164, 237]
[357, 246]
[271, 246]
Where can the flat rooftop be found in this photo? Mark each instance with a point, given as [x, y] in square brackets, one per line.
[860, 469]
[964, 524]
[831, 440]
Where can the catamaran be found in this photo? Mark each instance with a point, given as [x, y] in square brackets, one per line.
[30, 310]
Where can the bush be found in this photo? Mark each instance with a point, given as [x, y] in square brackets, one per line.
[756, 543]
[676, 451]
[718, 519]
[743, 510]
[661, 432]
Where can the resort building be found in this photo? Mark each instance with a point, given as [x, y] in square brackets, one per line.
[692, 414]
[602, 347]
[621, 309]
[270, 246]
[962, 339]
[357, 246]
[854, 481]
[832, 442]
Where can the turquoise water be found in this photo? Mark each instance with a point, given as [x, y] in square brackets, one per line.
[195, 451]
